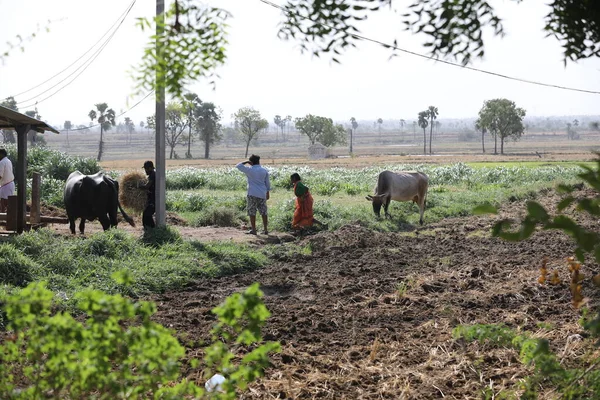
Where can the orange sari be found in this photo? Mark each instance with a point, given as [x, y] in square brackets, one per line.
[303, 214]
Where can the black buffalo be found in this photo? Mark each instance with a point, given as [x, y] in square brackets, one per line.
[90, 197]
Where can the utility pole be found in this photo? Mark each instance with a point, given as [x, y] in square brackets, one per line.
[161, 186]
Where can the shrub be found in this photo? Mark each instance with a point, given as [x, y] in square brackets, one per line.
[156, 237]
[220, 216]
[118, 352]
[113, 244]
[15, 268]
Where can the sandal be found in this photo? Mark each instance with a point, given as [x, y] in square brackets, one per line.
[265, 233]
[251, 232]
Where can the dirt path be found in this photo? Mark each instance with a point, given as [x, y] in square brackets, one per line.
[370, 315]
[203, 234]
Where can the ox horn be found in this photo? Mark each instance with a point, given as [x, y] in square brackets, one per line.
[369, 197]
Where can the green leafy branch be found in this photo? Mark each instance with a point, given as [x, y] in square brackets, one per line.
[118, 352]
[191, 46]
[19, 41]
[587, 240]
[241, 318]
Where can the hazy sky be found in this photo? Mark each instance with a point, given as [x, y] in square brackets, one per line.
[274, 77]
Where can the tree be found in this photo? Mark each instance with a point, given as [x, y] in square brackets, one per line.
[249, 123]
[503, 119]
[288, 122]
[129, 128]
[379, 122]
[281, 123]
[595, 125]
[8, 135]
[151, 123]
[414, 130]
[479, 127]
[106, 119]
[32, 136]
[208, 121]
[571, 132]
[352, 131]
[175, 124]
[322, 130]
[68, 126]
[402, 124]
[423, 123]
[191, 103]
[452, 29]
[433, 113]
[83, 128]
[142, 125]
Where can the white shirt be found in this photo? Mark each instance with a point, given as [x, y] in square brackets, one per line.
[6, 171]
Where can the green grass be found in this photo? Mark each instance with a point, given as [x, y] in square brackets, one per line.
[458, 190]
[527, 164]
[158, 263]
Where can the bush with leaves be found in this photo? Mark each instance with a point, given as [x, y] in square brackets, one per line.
[118, 352]
[569, 383]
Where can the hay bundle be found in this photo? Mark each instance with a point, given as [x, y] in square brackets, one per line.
[130, 195]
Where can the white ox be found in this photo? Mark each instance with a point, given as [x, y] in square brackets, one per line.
[399, 186]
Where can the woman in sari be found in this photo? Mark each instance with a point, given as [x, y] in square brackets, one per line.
[303, 214]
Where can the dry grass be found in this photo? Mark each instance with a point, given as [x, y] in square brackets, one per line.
[130, 195]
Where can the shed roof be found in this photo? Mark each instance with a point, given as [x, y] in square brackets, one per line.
[10, 119]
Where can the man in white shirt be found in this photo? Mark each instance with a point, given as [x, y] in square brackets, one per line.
[259, 187]
[7, 178]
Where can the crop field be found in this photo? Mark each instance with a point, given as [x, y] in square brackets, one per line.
[369, 309]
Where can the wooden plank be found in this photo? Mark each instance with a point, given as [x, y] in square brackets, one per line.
[22, 131]
[11, 213]
[35, 212]
[43, 218]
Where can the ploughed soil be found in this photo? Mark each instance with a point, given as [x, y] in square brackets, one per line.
[370, 315]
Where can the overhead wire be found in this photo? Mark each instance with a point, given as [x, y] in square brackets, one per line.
[413, 53]
[85, 67]
[116, 116]
[80, 57]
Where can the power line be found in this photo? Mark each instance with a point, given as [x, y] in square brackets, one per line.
[431, 58]
[116, 116]
[89, 62]
[74, 62]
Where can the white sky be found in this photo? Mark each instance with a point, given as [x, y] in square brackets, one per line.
[274, 77]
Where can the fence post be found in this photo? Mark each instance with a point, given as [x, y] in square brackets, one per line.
[11, 213]
[35, 212]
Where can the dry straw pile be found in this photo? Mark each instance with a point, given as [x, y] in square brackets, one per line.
[130, 195]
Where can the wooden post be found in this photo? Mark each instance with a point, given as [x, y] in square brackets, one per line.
[22, 131]
[11, 213]
[35, 213]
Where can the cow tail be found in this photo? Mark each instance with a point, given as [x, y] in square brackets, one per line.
[127, 217]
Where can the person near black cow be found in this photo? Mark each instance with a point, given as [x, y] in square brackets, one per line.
[150, 187]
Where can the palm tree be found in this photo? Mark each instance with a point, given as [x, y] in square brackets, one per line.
[354, 126]
[379, 122]
[414, 131]
[423, 123]
[432, 113]
[479, 126]
[191, 104]
[106, 119]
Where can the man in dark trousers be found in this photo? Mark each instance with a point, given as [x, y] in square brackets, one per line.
[150, 187]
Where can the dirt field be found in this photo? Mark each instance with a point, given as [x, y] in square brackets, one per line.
[348, 333]
[366, 161]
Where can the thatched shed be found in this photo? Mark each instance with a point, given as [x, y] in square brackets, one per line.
[22, 124]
